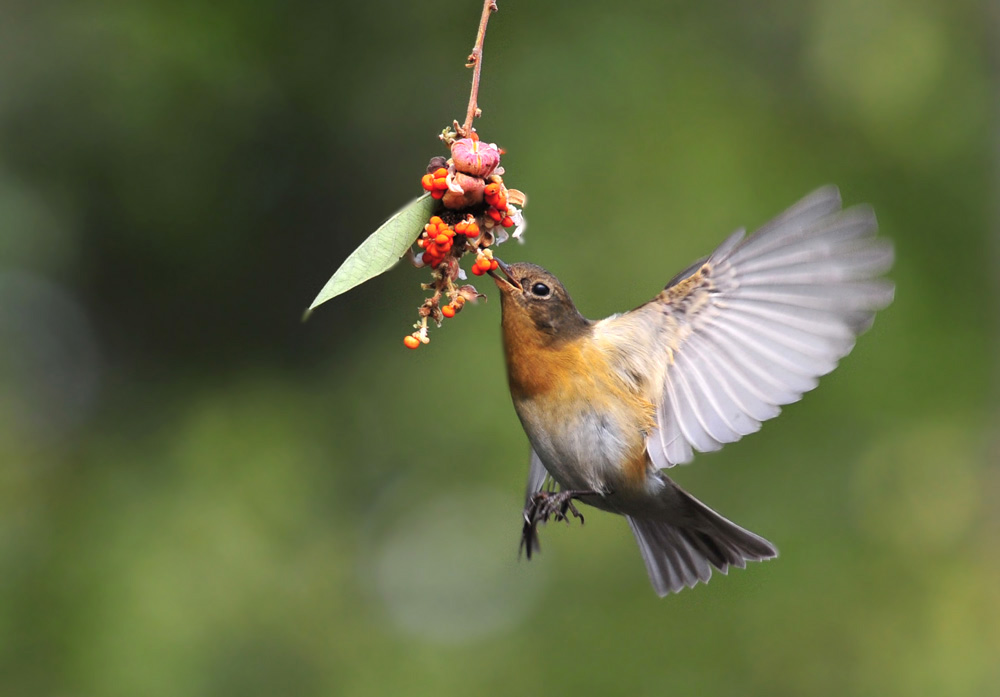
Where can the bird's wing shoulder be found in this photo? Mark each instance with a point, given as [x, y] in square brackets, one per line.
[753, 326]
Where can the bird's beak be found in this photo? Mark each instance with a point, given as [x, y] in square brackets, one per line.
[509, 280]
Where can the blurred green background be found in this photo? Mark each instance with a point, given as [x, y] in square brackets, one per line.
[199, 495]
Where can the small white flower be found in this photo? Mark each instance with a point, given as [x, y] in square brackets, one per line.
[520, 225]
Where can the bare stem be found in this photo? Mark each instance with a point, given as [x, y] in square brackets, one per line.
[476, 63]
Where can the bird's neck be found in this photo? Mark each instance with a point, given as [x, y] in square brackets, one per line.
[542, 359]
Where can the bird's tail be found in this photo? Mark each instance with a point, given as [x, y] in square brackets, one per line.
[679, 556]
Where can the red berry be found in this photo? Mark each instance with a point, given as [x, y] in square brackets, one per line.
[476, 271]
[448, 311]
[507, 221]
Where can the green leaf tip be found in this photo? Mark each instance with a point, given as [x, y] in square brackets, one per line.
[379, 252]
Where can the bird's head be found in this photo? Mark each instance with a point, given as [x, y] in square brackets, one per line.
[536, 307]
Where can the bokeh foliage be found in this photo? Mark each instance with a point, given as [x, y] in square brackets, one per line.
[201, 496]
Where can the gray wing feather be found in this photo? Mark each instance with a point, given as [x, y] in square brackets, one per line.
[761, 320]
[537, 474]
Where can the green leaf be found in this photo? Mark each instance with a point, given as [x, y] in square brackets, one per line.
[380, 251]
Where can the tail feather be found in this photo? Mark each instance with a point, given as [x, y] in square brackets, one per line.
[680, 556]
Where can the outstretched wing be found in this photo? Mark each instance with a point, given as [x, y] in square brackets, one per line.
[755, 325]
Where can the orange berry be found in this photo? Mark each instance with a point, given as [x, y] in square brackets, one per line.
[448, 311]
[411, 342]
[427, 181]
[494, 265]
[495, 214]
[492, 189]
[476, 271]
[442, 239]
[507, 221]
[440, 184]
[483, 263]
[435, 220]
[472, 230]
[440, 173]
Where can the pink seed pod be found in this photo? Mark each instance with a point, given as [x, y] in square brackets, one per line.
[475, 157]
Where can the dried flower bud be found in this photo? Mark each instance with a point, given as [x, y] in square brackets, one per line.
[472, 192]
[437, 162]
[469, 294]
[516, 198]
[475, 157]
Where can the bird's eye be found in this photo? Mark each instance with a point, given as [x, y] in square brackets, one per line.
[540, 289]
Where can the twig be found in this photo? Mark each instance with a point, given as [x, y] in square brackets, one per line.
[476, 63]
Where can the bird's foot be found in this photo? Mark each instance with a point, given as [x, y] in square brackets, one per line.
[544, 505]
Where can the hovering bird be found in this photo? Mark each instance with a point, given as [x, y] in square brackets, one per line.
[609, 405]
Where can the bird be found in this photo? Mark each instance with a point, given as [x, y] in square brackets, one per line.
[609, 406]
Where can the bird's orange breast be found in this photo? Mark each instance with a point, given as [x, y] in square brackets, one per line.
[557, 386]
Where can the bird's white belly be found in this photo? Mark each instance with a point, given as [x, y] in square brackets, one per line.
[584, 449]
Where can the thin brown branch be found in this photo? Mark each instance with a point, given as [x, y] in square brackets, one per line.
[476, 63]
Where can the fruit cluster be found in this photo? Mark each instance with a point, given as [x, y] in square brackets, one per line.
[436, 182]
[436, 241]
[484, 263]
[496, 197]
[474, 213]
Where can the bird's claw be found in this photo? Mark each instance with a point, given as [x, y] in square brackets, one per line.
[542, 506]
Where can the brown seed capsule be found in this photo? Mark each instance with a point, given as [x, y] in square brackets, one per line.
[472, 192]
